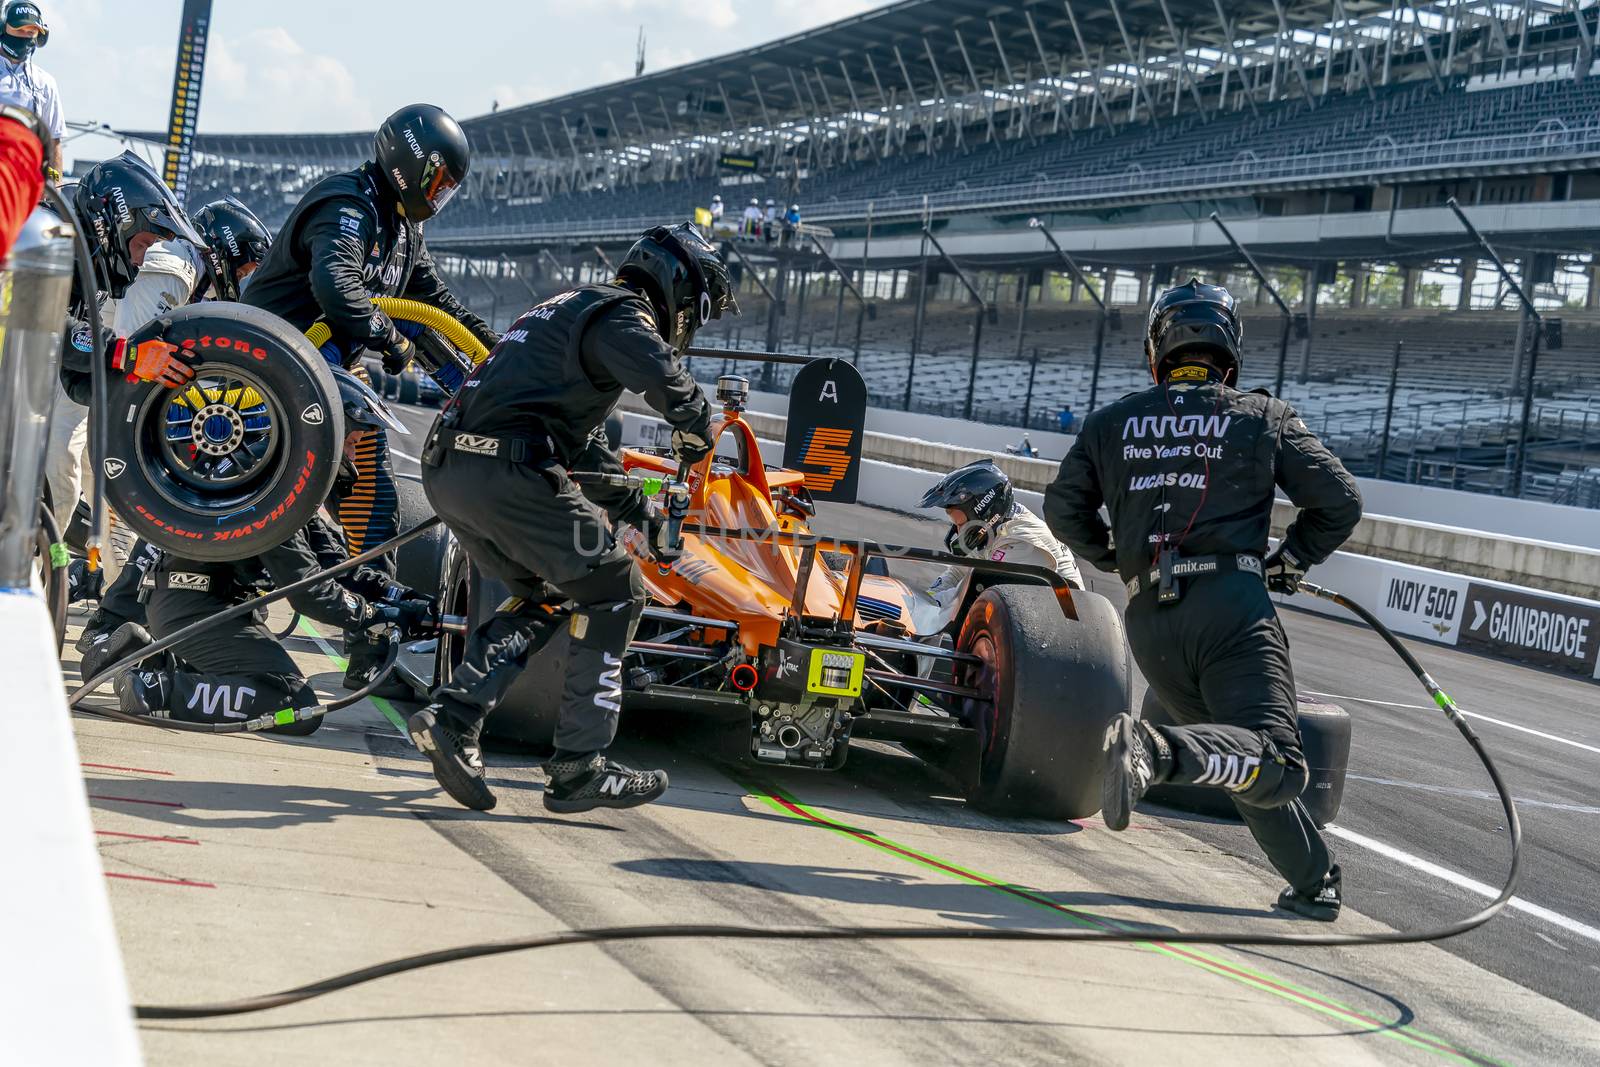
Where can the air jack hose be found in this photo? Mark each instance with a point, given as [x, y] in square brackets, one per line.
[418, 312]
[1106, 930]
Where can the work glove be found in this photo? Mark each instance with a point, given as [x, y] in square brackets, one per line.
[397, 350]
[157, 361]
[633, 511]
[691, 446]
[1283, 571]
[413, 618]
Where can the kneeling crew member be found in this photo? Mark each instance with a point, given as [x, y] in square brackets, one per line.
[496, 471]
[1187, 470]
[237, 669]
[987, 521]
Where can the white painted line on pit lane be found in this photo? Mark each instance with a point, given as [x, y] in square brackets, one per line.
[1474, 794]
[1471, 885]
[1466, 714]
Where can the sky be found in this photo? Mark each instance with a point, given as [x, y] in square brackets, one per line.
[302, 65]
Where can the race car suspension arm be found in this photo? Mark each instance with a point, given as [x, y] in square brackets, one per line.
[860, 550]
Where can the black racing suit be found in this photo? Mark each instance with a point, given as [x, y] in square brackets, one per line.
[544, 394]
[1192, 467]
[237, 669]
[344, 243]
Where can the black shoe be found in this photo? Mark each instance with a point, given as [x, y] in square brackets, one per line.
[1136, 757]
[598, 781]
[107, 648]
[366, 656]
[144, 693]
[97, 627]
[457, 762]
[1321, 904]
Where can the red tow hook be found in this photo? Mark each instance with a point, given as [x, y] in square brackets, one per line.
[743, 677]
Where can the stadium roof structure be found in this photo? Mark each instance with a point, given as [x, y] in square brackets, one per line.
[918, 57]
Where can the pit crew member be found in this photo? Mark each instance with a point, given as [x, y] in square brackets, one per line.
[496, 470]
[1187, 470]
[148, 259]
[354, 236]
[235, 243]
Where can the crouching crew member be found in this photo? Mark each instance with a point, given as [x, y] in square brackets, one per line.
[987, 521]
[1187, 470]
[496, 471]
[237, 669]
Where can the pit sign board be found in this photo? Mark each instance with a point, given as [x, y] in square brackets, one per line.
[826, 428]
[1515, 624]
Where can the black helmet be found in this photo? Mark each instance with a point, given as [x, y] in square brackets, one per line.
[362, 406]
[424, 156]
[1194, 317]
[684, 277]
[235, 238]
[20, 13]
[119, 199]
[980, 491]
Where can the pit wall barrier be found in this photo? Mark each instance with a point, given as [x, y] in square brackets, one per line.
[1541, 546]
[63, 996]
[1507, 620]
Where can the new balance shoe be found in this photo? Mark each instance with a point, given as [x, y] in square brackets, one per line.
[1136, 757]
[1321, 904]
[598, 781]
[108, 648]
[457, 761]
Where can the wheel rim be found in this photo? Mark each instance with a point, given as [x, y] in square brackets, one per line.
[215, 447]
[984, 677]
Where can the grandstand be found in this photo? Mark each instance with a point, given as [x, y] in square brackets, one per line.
[1329, 134]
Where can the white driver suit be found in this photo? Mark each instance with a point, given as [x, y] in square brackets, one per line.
[1021, 537]
[171, 272]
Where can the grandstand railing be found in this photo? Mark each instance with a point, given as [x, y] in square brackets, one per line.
[1541, 146]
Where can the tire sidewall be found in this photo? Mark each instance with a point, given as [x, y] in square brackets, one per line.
[310, 423]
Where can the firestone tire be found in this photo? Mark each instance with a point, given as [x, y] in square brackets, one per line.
[1056, 684]
[52, 576]
[240, 459]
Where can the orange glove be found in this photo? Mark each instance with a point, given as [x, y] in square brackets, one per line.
[158, 361]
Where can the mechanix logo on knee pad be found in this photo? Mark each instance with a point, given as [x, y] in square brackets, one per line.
[1232, 772]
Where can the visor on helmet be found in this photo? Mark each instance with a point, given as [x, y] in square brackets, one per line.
[438, 184]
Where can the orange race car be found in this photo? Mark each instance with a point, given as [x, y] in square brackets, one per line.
[813, 641]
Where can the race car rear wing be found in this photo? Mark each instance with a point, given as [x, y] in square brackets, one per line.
[860, 551]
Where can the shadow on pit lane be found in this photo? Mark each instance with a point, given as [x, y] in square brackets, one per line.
[217, 805]
[951, 900]
[741, 1013]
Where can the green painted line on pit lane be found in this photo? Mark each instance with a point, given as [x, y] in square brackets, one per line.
[341, 663]
[788, 806]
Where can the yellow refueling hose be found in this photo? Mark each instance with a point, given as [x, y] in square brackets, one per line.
[415, 311]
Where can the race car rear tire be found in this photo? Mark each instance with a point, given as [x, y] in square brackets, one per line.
[1325, 733]
[174, 466]
[408, 389]
[419, 563]
[1056, 684]
[528, 713]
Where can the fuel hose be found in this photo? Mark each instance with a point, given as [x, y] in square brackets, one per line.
[1105, 932]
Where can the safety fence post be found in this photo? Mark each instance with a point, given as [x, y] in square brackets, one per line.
[1388, 412]
[1027, 403]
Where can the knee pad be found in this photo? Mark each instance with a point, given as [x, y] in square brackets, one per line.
[1279, 779]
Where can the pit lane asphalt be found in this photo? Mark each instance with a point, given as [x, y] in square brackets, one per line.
[1414, 786]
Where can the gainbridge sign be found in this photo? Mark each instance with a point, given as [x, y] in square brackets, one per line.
[827, 422]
